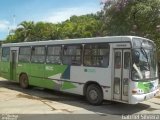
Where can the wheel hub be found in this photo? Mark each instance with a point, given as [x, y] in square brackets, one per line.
[93, 94]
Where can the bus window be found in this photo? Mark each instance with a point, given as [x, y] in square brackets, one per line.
[38, 54]
[5, 54]
[127, 60]
[117, 60]
[24, 54]
[54, 54]
[72, 54]
[96, 55]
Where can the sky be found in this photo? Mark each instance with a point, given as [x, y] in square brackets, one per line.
[13, 12]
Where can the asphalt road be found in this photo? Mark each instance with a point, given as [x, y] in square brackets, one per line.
[39, 104]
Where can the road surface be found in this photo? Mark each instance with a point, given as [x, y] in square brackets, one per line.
[38, 103]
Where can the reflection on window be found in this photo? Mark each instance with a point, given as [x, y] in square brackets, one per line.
[96, 55]
[5, 54]
[24, 54]
[126, 60]
[38, 54]
[144, 64]
[153, 63]
[54, 54]
[138, 43]
[117, 60]
[72, 54]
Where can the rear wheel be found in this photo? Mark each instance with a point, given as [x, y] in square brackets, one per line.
[94, 94]
[23, 80]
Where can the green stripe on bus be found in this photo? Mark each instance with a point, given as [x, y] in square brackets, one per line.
[67, 85]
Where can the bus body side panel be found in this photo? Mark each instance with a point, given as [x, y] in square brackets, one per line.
[80, 75]
[36, 76]
[53, 76]
[5, 70]
[23, 67]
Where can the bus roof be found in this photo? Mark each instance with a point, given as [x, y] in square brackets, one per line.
[74, 41]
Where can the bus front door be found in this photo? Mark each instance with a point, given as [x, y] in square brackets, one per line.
[13, 64]
[121, 74]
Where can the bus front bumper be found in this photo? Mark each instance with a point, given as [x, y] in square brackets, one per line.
[140, 98]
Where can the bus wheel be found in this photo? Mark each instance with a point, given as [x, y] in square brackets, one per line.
[94, 94]
[23, 80]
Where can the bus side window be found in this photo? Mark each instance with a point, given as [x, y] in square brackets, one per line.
[5, 54]
[24, 54]
[53, 54]
[117, 60]
[96, 55]
[127, 60]
[38, 54]
[72, 54]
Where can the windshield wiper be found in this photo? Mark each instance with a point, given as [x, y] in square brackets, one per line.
[144, 53]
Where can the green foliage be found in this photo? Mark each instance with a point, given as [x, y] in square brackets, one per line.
[81, 27]
[132, 17]
[76, 27]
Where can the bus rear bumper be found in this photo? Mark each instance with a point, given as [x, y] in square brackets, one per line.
[140, 98]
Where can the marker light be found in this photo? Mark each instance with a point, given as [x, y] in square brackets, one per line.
[134, 91]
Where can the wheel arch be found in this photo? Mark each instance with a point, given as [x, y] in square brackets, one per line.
[22, 74]
[23, 80]
[89, 83]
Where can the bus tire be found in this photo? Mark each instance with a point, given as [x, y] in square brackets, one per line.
[23, 80]
[94, 94]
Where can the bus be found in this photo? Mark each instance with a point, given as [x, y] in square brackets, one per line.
[117, 68]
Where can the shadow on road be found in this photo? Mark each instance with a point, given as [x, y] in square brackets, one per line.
[113, 108]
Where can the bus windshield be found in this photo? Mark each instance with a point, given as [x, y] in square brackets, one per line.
[144, 62]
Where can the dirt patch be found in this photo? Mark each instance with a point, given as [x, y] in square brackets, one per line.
[65, 110]
[35, 98]
[26, 96]
[151, 109]
[43, 101]
[156, 103]
[157, 97]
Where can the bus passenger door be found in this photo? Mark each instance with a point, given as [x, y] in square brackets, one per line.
[121, 74]
[13, 64]
[126, 74]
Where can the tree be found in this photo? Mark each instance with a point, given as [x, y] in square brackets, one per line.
[42, 31]
[82, 26]
[75, 27]
[132, 17]
[27, 30]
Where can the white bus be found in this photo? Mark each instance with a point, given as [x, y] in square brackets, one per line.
[118, 68]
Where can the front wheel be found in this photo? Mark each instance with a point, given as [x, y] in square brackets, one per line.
[23, 80]
[94, 94]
